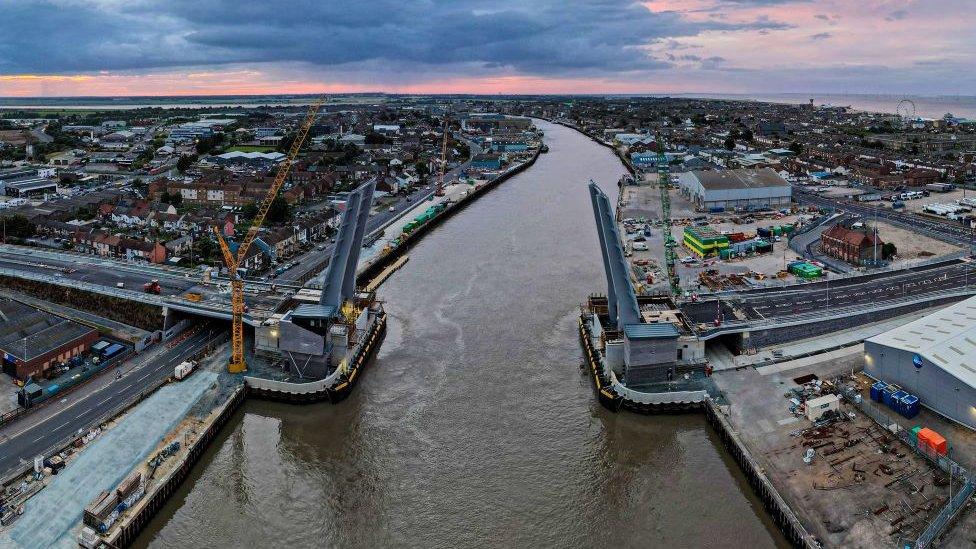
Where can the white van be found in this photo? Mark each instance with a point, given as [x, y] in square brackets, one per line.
[640, 246]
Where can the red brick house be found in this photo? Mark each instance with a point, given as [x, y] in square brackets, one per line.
[851, 245]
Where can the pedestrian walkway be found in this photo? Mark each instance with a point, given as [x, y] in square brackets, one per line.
[51, 516]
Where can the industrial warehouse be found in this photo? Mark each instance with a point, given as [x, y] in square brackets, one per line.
[32, 341]
[931, 358]
[741, 189]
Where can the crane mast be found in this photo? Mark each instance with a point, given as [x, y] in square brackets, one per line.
[233, 260]
[440, 183]
[664, 181]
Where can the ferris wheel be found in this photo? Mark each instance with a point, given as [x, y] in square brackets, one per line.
[906, 110]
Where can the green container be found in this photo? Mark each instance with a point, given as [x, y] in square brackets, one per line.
[914, 433]
[725, 253]
[778, 231]
[788, 228]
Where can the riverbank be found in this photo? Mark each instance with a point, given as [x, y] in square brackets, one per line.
[472, 402]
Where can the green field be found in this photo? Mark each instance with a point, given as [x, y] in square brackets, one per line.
[251, 149]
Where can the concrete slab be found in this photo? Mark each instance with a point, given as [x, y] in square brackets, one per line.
[51, 516]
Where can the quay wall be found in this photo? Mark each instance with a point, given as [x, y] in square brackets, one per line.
[133, 525]
[411, 239]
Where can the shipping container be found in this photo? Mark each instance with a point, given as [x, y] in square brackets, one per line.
[876, 390]
[913, 433]
[886, 394]
[910, 406]
[895, 403]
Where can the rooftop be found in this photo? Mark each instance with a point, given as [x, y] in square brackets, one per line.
[26, 332]
[657, 330]
[740, 179]
[946, 337]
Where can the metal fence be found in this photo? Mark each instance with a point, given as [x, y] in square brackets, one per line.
[950, 467]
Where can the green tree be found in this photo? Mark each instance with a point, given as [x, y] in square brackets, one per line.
[185, 162]
[796, 147]
[888, 250]
[18, 226]
[730, 143]
[279, 211]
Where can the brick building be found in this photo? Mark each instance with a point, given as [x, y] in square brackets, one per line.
[854, 246]
[33, 341]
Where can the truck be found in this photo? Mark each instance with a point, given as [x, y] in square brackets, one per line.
[152, 287]
[940, 187]
[183, 370]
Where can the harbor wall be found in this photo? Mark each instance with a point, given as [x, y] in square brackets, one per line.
[778, 509]
[134, 524]
[614, 400]
[411, 239]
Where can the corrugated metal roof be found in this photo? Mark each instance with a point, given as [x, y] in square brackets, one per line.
[657, 330]
[929, 338]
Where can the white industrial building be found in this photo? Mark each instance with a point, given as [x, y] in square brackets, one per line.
[933, 358]
[741, 189]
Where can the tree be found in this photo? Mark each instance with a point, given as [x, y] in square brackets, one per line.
[730, 143]
[747, 135]
[176, 199]
[373, 138]
[279, 211]
[185, 162]
[18, 226]
[796, 147]
[888, 250]
[422, 170]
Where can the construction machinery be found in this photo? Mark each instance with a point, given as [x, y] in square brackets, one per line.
[440, 182]
[664, 182]
[232, 260]
[152, 287]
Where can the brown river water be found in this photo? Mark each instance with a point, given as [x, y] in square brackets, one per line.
[474, 426]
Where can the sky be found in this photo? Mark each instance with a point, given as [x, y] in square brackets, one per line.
[203, 47]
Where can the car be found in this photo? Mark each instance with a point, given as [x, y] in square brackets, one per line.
[320, 247]
[392, 208]
[687, 260]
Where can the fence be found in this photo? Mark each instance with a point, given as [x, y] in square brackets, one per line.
[950, 467]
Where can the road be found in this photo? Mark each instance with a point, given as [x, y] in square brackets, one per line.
[107, 272]
[78, 411]
[866, 290]
[947, 231]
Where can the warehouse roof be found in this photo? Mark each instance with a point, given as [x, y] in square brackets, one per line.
[26, 332]
[946, 338]
[740, 179]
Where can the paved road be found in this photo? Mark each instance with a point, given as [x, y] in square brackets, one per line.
[82, 409]
[867, 290]
[947, 231]
[108, 272]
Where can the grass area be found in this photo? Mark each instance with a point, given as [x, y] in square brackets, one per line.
[251, 148]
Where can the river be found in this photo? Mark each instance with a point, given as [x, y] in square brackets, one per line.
[474, 426]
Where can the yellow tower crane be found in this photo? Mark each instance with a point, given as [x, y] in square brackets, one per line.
[233, 260]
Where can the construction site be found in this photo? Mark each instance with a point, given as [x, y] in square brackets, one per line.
[850, 472]
[714, 251]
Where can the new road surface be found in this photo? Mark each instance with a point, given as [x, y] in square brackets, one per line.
[38, 432]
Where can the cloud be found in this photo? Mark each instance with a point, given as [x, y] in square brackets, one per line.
[820, 36]
[896, 15]
[542, 37]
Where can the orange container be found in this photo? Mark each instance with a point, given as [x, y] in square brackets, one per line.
[938, 443]
[924, 437]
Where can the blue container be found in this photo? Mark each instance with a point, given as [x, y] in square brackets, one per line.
[876, 391]
[896, 401]
[910, 406]
[886, 393]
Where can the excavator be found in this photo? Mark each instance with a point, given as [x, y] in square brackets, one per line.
[233, 259]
